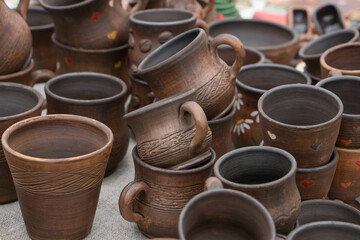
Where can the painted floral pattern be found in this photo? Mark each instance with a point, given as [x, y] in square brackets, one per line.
[241, 125]
[238, 101]
[256, 115]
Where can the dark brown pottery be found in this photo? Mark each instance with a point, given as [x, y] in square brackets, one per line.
[17, 102]
[58, 164]
[141, 93]
[94, 95]
[303, 120]
[252, 56]
[314, 79]
[299, 19]
[252, 81]
[327, 18]
[278, 43]
[156, 197]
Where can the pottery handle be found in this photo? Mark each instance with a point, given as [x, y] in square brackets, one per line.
[41, 75]
[22, 7]
[140, 5]
[127, 198]
[334, 73]
[202, 24]
[238, 47]
[208, 8]
[213, 183]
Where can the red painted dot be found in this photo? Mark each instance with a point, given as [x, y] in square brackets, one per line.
[95, 16]
[307, 183]
[68, 60]
[220, 17]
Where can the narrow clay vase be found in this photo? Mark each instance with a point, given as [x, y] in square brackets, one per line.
[268, 175]
[170, 131]
[17, 102]
[156, 197]
[58, 164]
[190, 50]
[252, 56]
[252, 81]
[303, 120]
[327, 18]
[94, 95]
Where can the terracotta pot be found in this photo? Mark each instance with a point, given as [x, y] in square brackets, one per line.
[347, 88]
[252, 81]
[267, 174]
[252, 56]
[17, 102]
[281, 49]
[156, 197]
[315, 182]
[58, 163]
[303, 120]
[141, 94]
[190, 50]
[299, 19]
[327, 18]
[170, 131]
[79, 94]
[42, 27]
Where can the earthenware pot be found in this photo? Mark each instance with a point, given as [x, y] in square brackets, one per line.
[17, 102]
[303, 120]
[170, 131]
[314, 79]
[299, 19]
[260, 34]
[98, 96]
[327, 18]
[315, 182]
[90, 24]
[58, 163]
[311, 52]
[190, 50]
[16, 37]
[156, 197]
[141, 93]
[347, 88]
[267, 174]
[252, 56]
[252, 81]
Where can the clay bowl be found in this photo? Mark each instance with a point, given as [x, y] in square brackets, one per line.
[252, 56]
[327, 18]
[278, 43]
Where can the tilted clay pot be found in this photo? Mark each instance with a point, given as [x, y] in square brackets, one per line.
[328, 18]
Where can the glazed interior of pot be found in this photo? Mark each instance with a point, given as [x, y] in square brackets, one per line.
[228, 54]
[163, 16]
[345, 58]
[38, 17]
[57, 3]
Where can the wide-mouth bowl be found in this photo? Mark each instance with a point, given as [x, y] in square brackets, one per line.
[64, 4]
[162, 17]
[38, 19]
[332, 163]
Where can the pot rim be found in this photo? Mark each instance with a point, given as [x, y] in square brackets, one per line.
[228, 115]
[73, 6]
[348, 150]
[329, 165]
[314, 16]
[35, 10]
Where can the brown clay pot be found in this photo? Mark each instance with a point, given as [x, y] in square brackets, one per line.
[156, 197]
[299, 19]
[94, 95]
[252, 81]
[303, 120]
[252, 56]
[315, 182]
[17, 102]
[190, 50]
[328, 18]
[58, 164]
[141, 94]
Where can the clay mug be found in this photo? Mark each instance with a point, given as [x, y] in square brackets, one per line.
[16, 38]
[156, 197]
[253, 81]
[268, 175]
[58, 164]
[17, 102]
[94, 95]
[303, 120]
[170, 131]
[252, 56]
[141, 94]
[190, 50]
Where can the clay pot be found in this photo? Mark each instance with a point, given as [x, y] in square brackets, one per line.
[225, 214]
[58, 163]
[42, 27]
[299, 19]
[315, 182]
[327, 18]
[17, 102]
[156, 197]
[347, 88]
[303, 120]
[170, 131]
[141, 94]
[314, 79]
[94, 95]
[15, 38]
[267, 174]
[190, 50]
[260, 34]
[252, 81]
[252, 56]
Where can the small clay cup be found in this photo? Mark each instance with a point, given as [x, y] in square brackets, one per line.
[141, 93]
[17, 102]
[303, 120]
[327, 18]
[58, 164]
[94, 95]
[347, 88]
[252, 56]
[315, 182]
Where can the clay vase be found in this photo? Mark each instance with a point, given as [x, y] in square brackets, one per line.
[225, 214]
[347, 88]
[303, 120]
[58, 164]
[141, 94]
[42, 27]
[252, 56]
[170, 131]
[315, 182]
[17, 102]
[98, 96]
[16, 38]
[252, 81]
[156, 197]
[327, 18]
[190, 50]
[268, 175]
